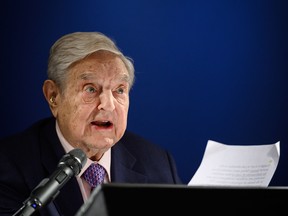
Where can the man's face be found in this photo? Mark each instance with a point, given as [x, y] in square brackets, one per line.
[92, 111]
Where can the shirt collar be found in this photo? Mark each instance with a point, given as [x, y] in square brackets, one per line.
[105, 160]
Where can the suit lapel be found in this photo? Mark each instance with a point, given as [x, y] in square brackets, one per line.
[124, 166]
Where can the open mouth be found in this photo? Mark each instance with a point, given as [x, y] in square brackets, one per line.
[102, 124]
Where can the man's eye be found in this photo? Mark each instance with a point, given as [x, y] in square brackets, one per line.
[90, 89]
[120, 90]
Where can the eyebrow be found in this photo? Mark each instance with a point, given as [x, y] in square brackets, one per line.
[89, 76]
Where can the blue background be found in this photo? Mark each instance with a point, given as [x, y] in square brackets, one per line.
[204, 69]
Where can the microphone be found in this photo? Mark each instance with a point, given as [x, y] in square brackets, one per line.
[48, 189]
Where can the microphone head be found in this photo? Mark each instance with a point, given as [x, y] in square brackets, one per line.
[75, 159]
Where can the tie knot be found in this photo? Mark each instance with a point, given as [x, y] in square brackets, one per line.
[94, 174]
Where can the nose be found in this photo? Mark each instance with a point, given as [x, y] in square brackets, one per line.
[106, 101]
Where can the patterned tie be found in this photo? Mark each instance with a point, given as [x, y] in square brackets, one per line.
[94, 175]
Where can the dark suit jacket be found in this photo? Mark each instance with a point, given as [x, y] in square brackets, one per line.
[30, 156]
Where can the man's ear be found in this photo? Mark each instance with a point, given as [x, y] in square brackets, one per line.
[51, 93]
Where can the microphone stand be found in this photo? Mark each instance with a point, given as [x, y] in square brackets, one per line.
[33, 203]
[48, 189]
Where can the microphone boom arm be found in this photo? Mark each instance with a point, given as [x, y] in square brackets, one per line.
[48, 189]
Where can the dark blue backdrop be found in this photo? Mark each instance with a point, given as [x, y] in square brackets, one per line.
[204, 69]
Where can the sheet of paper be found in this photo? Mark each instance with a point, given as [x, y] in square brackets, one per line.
[237, 165]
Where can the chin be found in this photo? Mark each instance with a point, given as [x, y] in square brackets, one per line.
[109, 141]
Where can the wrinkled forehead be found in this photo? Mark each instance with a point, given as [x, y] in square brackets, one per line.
[101, 56]
[122, 77]
[100, 65]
